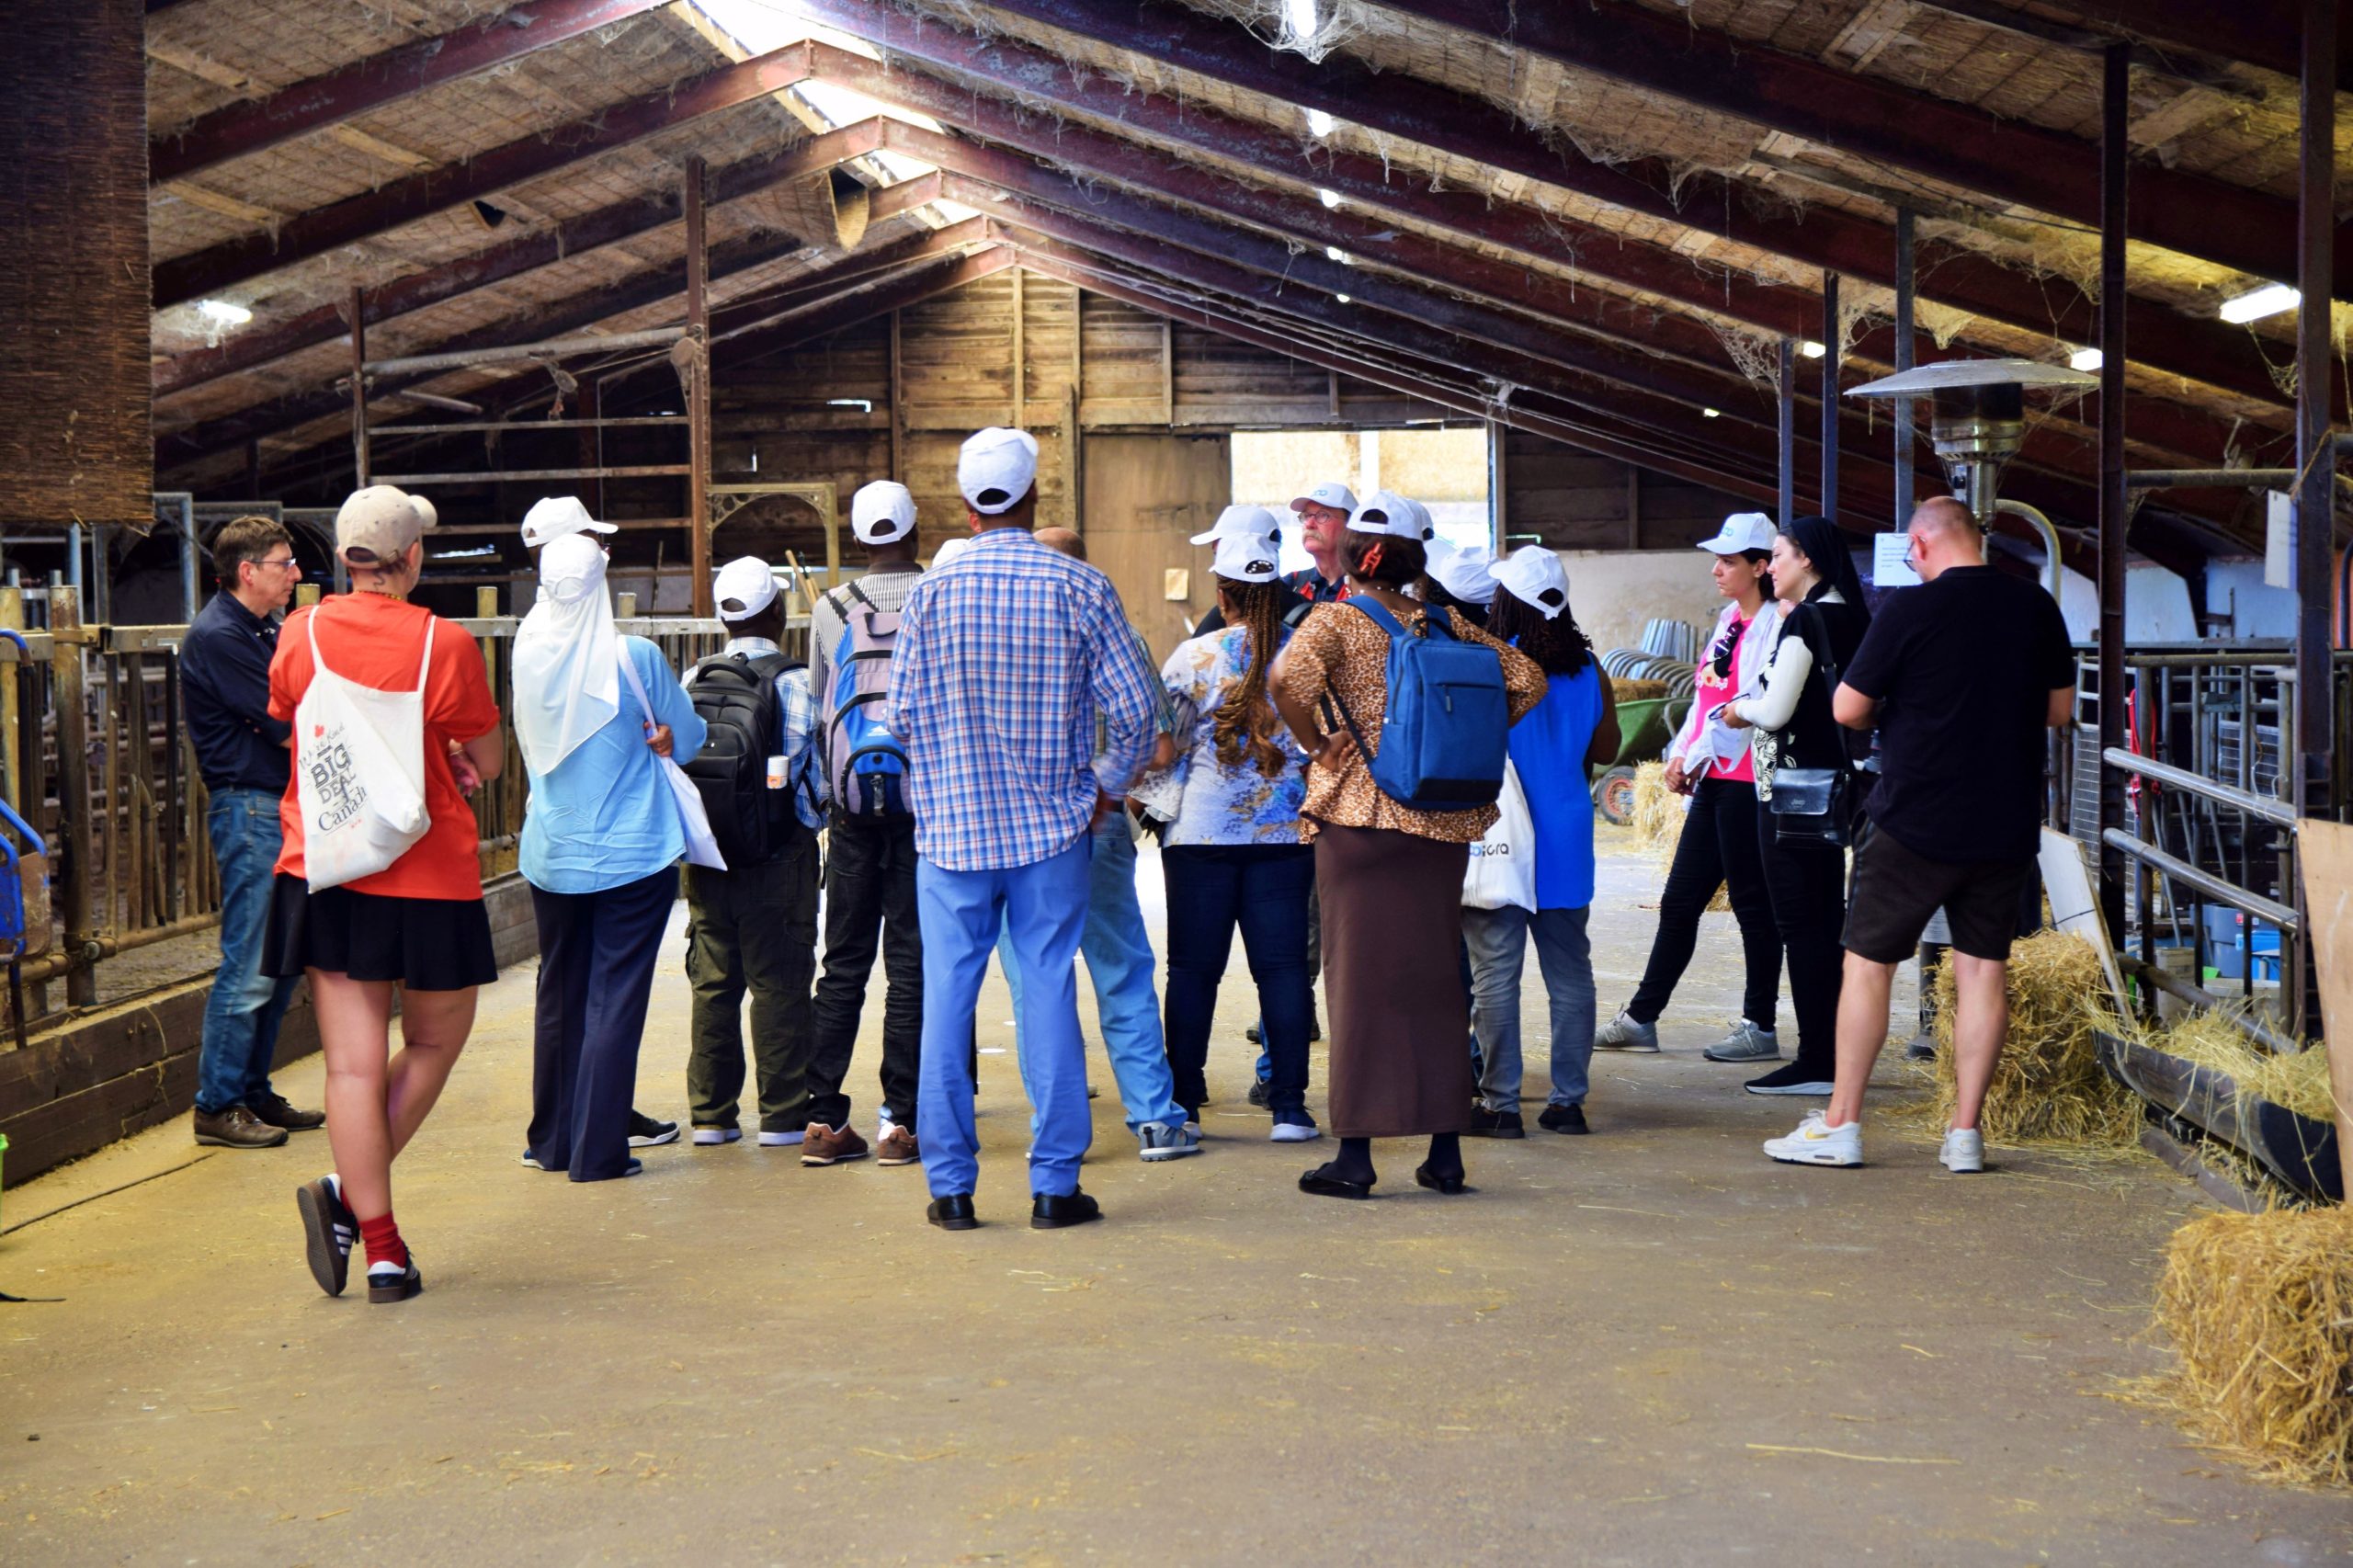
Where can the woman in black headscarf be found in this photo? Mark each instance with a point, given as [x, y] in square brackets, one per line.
[1823, 621]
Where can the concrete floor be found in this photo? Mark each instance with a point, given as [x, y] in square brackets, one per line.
[1645, 1346]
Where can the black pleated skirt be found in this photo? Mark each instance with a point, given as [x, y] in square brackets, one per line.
[424, 944]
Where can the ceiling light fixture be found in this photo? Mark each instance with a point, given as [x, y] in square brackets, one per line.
[1299, 21]
[1330, 199]
[2258, 303]
[1711, 413]
[220, 312]
[1336, 254]
[2085, 359]
[1319, 122]
[1812, 349]
[1342, 298]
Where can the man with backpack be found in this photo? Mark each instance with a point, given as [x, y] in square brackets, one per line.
[754, 925]
[870, 855]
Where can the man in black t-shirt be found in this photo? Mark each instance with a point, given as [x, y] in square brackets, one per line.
[1963, 676]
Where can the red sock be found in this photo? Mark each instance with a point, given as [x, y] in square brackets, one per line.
[384, 1243]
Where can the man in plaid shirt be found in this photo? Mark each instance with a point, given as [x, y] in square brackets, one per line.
[1004, 661]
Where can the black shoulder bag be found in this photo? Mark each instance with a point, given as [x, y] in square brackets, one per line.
[1816, 805]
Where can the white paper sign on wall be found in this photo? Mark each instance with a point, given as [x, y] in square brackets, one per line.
[2279, 507]
[1890, 563]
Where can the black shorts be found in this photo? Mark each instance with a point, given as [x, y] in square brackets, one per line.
[424, 944]
[1896, 893]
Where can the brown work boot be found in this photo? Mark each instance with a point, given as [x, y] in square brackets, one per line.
[236, 1127]
[271, 1110]
[897, 1147]
[826, 1145]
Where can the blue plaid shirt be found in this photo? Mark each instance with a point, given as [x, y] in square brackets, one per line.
[1004, 659]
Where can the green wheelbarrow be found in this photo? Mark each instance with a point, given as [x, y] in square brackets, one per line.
[1645, 724]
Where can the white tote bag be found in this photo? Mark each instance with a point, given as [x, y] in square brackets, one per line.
[702, 848]
[1502, 873]
[360, 779]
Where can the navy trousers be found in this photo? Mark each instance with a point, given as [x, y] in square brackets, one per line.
[597, 952]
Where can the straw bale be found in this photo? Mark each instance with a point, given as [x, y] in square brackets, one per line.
[2296, 1081]
[2259, 1309]
[2050, 1085]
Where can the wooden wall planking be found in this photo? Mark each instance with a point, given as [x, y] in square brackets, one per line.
[1576, 501]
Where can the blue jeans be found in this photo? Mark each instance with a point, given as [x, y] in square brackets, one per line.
[1119, 962]
[1263, 888]
[1498, 942]
[242, 1014]
[1042, 906]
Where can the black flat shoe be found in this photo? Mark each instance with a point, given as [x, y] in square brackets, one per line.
[1052, 1211]
[1323, 1183]
[1568, 1119]
[954, 1212]
[1486, 1123]
[328, 1230]
[1449, 1185]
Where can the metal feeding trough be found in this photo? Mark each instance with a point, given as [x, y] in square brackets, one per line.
[1978, 423]
[2298, 1150]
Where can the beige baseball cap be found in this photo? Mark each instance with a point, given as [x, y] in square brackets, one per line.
[377, 524]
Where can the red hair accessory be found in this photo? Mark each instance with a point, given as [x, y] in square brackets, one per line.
[1372, 558]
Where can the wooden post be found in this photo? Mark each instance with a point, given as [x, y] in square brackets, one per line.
[2115, 499]
[1634, 508]
[591, 440]
[1785, 386]
[1167, 373]
[697, 392]
[898, 418]
[1830, 350]
[72, 789]
[2325, 849]
[358, 391]
[1020, 376]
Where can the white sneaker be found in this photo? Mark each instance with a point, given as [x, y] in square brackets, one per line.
[1167, 1140]
[780, 1140]
[707, 1136]
[1816, 1143]
[1964, 1150]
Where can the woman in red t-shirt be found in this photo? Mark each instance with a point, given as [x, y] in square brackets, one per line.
[418, 924]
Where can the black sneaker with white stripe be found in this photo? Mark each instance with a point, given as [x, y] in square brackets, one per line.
[328, 1229]
[645, 1132]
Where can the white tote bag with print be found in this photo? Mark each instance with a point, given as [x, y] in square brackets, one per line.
[359, 770]
[1502, 873]
[702, 845]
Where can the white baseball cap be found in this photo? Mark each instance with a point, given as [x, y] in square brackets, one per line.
[1246, 558]
[556, 515]
[996, 469]
[1387, 513]
[743, 588]
[1466, 572]
[1535, 576]
[882, 511]
[380, 522]
[1743, 531]
[571, 568]
[1331, 493]
[1429, 529]
[949, 550]
[1244, 522]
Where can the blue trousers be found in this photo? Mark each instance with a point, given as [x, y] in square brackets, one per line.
[597, 952]
[1497, 940]
[1042, 906]
[1119, 962]
[1264, 888]
[242, 1014]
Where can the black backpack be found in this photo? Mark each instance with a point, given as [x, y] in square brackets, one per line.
[735, 695]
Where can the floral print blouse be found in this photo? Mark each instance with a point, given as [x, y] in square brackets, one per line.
[1206, 801]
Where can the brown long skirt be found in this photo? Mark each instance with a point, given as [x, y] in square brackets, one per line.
[1393, 980]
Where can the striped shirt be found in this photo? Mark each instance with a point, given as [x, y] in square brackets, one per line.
[1004, 659]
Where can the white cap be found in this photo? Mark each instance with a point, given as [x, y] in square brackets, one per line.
[382, 522]
[949, 550]
[1465, 572]
[996, 468]
[1742, 531]
[570, 567]
[743, 588]
[1246, 558]
[1242, 522]
[1429, 529]
[882, 511]
[1385, 513]
[1331, 493]
[1534, 575]
[556, 515]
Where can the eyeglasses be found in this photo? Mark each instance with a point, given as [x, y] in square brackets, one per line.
[281, 563]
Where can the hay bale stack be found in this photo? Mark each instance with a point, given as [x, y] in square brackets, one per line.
[2050, 1085]
[2296, 1081]
[2260, 1309]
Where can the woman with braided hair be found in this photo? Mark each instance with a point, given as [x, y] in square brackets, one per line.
[1232, 854]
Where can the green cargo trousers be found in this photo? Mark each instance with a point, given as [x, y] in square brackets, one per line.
[754, 929]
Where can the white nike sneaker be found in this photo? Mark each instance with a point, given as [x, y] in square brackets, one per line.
[1964, 1150]
[1816, 1143]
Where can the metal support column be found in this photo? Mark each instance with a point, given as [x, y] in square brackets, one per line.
[698, 391]
[2115, 497]
[1905, 443]
[359, 393]
[1787, 387]
[2314, 536]
[78, 876]
[1830, 335]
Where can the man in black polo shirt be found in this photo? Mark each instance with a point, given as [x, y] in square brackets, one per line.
[242, 752]
[1961, 676]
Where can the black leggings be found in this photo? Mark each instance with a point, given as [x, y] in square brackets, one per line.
[1718, 846]
[1808, 884]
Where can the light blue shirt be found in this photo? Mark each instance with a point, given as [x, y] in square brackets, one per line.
[603, 816]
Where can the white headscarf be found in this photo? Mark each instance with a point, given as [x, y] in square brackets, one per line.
[567, 655]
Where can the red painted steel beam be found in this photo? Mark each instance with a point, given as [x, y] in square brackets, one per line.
[433, 190]
[2195, 349]
[2256, 32]
[246, 350]
[352, 90]
[1865, 116]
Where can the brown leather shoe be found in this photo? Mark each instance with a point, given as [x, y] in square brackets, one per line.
[236, 1127]
[897, 1147]
[271, 1110]
[826, 1145]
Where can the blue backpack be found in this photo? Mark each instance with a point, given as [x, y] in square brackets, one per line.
[1442, 739]
[869, 764]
